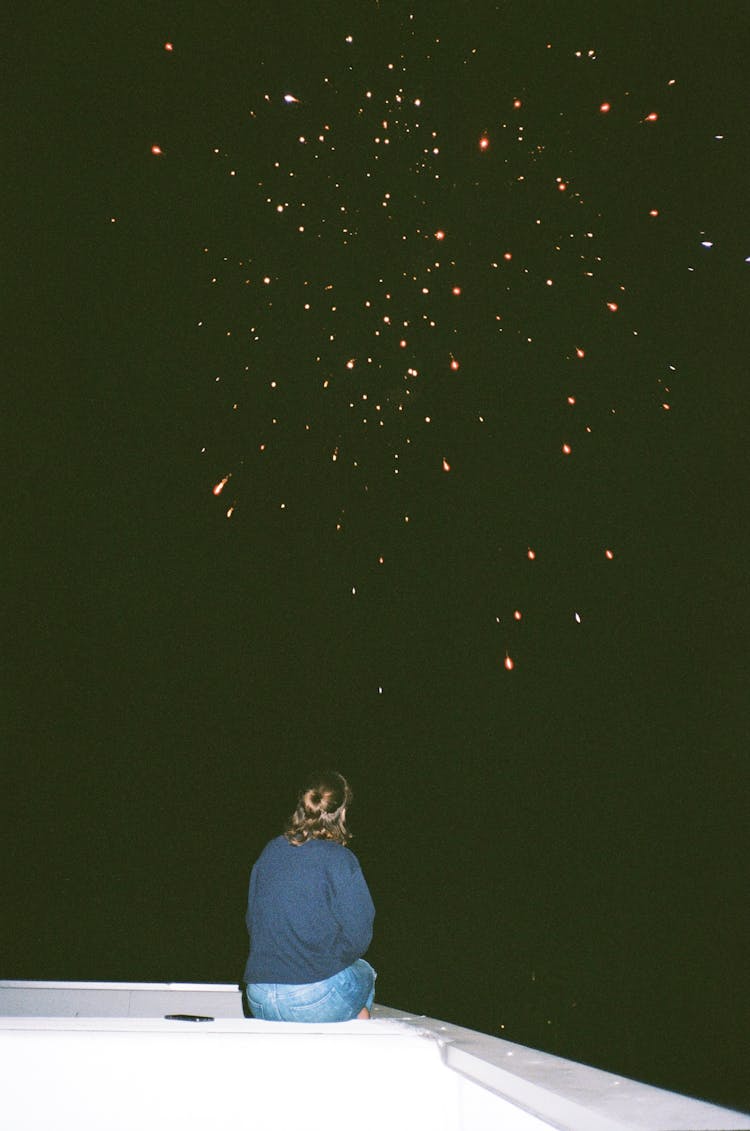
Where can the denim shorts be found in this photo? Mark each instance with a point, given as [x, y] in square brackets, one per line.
[339, 998]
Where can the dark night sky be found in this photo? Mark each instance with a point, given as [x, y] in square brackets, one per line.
[558, 849]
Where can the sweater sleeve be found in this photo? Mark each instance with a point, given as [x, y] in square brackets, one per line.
[250, 901]
[354, 910]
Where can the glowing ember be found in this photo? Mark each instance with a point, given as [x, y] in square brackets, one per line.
[332, 359]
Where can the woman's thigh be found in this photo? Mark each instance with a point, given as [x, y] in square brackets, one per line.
[339, 998]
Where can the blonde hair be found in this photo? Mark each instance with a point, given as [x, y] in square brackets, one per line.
[321, 810]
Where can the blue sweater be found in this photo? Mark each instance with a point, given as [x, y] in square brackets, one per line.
[309, 912]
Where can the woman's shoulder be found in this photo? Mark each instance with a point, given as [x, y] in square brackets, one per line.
[274, 846]
[340, 857]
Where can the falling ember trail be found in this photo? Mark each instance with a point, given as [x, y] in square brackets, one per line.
[509, 663]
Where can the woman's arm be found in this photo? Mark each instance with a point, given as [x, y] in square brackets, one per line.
[355, 911]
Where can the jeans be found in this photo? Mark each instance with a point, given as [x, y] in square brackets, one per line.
[339, 998]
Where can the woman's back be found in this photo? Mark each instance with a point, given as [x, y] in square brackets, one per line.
[309, 914]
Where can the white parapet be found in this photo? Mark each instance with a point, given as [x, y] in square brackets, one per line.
[107, 1057]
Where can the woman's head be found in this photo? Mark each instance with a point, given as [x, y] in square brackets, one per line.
[321, 810]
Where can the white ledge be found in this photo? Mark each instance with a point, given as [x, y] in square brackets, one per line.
[109, 1056]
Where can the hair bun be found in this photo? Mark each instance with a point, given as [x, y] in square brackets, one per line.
[321, 810]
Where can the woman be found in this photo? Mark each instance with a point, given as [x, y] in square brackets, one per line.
[310, 916]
